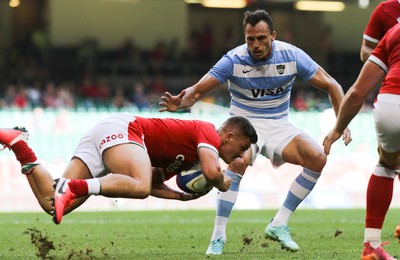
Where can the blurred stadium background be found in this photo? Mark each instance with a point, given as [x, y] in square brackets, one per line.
[66, 64]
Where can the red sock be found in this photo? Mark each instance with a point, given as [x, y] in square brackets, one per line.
[23, 153]
[79, 187]
[379, 197]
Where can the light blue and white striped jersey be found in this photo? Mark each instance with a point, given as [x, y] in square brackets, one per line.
[261, 88]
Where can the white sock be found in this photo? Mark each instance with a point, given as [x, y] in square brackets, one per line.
[298, 191]
[94, 186]
[225, 202]
[373, 236]
[281, 217]
[219, 228]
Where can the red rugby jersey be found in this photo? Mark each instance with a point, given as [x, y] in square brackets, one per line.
[387, 56]
[172, 144]
[384, 17]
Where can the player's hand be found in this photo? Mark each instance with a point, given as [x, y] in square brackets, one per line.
[185, 196]
[347, 136]
[171, 103]
[188, 196]
[331, 137]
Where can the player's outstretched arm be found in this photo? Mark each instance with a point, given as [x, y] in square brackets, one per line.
[189, 96]
[163, 191]
[171, 103]
[323, 81]
[371, 75]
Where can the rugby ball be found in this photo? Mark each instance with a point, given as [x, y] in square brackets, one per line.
[192, 180]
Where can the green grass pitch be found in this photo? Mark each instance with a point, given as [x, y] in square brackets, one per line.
[321, 234]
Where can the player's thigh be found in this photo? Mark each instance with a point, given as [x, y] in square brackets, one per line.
[305, 151]
[77, 169]
[128, 159]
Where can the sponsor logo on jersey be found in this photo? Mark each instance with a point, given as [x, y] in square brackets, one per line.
[247, 70]
[280, 68]
[257, 92]
[176, 163]
[110, 138]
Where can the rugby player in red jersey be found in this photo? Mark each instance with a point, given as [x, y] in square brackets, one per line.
[118, 157]
[381, 69]
[384, 17]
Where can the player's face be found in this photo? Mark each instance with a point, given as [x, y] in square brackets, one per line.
[233, 147]
[259, 40]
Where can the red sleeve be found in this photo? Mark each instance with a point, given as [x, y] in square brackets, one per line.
[385, 16]
[387, 56]
[207, 136]
[380, 52]
[375, 29]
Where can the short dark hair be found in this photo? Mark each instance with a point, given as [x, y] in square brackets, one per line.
[243, 126]
[254, 18]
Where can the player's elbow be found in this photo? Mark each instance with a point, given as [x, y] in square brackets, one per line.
[363, 56]
[365, 52]
[356, 95]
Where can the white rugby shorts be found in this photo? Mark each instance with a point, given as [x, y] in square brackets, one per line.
[387, 121]
[273, 136]
[109, 132]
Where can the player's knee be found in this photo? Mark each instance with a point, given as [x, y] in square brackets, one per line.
[317, 162]
[142, 192]
[321, 161]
